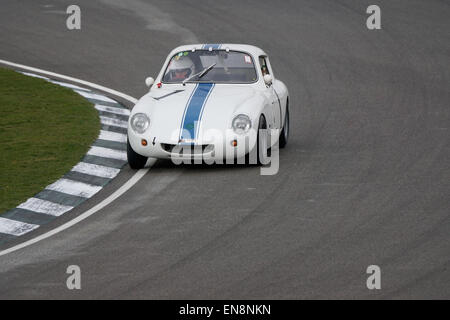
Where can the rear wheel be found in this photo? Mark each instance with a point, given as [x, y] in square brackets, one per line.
[135, 160]
[284, 134]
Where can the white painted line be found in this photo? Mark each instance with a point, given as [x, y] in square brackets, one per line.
[115, 110]
[113, 122]
[124, 188]
[82, 82]
[112, 136]
[68, 85]
[108, 153]
[15, 228]
[74, 188]
[96, 170]
[35, 75]
[44, 206]
[95, 96]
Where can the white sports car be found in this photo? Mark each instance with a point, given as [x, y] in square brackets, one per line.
[210, 103]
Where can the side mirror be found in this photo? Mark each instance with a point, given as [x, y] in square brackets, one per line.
[149, 81]
[268, 79]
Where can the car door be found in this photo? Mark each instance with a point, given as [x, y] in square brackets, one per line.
[271, 94]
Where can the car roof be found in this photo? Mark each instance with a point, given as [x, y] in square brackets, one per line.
[253, 50]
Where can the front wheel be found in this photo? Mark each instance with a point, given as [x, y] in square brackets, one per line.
[255, 156]
[135, 160]
[284, 135]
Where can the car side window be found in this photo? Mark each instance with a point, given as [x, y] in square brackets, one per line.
[263, 64]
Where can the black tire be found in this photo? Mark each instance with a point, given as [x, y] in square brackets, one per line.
[250, 157]
[284, 134]
[135, 160]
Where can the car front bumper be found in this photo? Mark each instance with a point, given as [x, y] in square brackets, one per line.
[227, 146]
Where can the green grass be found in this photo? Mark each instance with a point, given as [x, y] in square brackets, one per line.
[45, 130]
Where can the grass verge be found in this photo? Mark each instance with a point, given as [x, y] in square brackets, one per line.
[45, 130]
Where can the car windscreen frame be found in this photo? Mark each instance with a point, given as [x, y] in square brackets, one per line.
[209, 81]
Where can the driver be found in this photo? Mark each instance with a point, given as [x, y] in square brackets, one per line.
[180, 68]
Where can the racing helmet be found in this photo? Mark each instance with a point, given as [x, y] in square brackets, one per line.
[180, 67]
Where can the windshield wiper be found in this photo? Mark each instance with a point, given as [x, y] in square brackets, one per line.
[199, 74]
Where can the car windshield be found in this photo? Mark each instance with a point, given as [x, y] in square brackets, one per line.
[210, 66]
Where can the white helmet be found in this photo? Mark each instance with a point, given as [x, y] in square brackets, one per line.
[180, 64]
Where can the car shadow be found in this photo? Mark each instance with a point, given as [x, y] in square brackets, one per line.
[168, 164]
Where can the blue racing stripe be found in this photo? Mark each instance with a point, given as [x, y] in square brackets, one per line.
[193, 111]
[201, 112]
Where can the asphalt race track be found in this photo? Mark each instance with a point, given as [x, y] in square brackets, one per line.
[365, 178]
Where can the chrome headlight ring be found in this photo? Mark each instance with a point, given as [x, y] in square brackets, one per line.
[140, 122]
[241, 124]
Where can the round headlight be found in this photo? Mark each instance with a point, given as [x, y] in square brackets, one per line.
[139, 122]
[241, 124]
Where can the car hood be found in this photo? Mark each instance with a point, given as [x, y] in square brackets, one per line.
[175, 107]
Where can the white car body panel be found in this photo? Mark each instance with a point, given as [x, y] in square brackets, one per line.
[166, 105]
